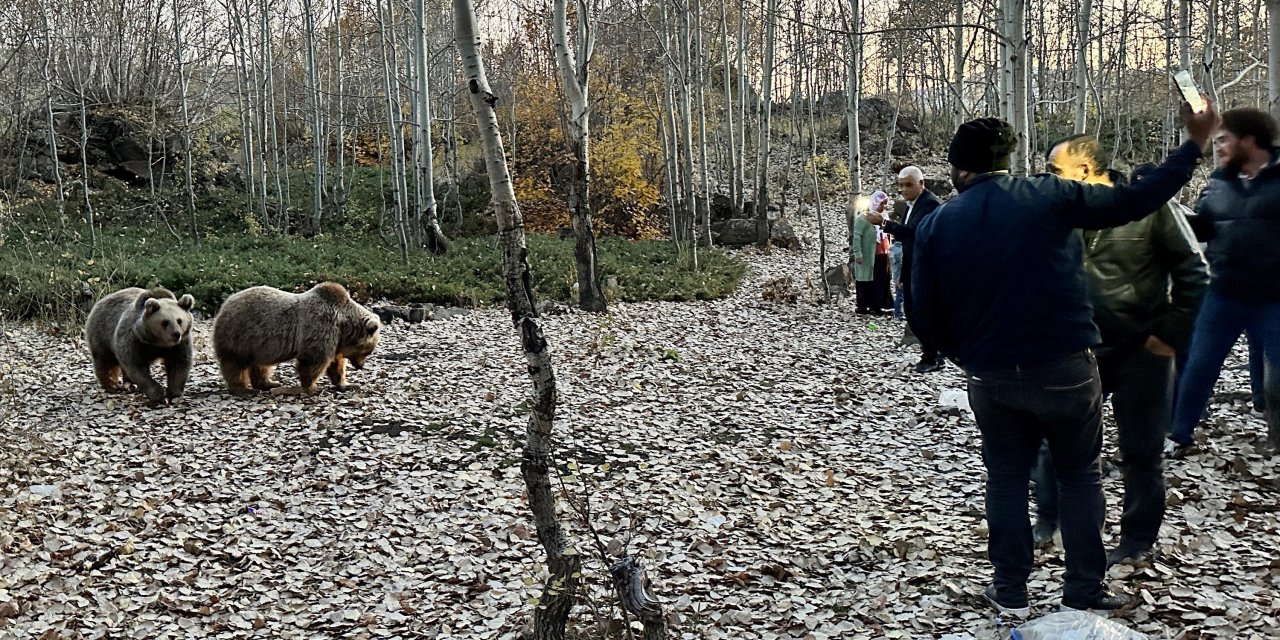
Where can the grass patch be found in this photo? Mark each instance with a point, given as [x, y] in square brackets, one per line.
[44, 278]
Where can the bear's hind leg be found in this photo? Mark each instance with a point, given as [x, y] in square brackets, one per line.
[260, 377]
[237, 377]
[108, 372]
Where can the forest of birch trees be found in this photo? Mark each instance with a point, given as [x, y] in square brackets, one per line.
[631, 116]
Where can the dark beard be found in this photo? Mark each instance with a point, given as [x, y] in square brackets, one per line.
[955, 180]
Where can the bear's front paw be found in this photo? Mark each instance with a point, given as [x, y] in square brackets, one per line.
[346, 387]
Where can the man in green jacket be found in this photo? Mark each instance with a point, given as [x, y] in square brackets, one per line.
[1146, 280]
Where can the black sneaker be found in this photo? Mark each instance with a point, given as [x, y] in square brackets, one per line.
[1107, 600]
[1129, 554]
[1006, 603]
[1043, 532]
[925, 366]
[1174, 450]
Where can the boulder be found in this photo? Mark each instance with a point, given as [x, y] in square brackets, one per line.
[782, 235]
[722, 208]
[939, 186]
[734, 233]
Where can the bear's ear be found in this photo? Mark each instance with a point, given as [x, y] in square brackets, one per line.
[151, 307]
[186, 302]
[371, 325]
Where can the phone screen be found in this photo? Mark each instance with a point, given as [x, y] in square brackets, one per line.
[1190, 92]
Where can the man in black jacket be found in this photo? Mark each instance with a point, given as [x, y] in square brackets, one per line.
[920, 203]
[1023, 333]
[1146, 279]
[1239, 216]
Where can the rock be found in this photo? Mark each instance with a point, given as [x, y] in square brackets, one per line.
[722, 208]
[939, 186]
[782, 235]
[451, 312]
[387, 313]
[420, 311]
[838, 279]
[734, 233]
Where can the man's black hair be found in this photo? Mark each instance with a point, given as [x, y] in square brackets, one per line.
[1141, 171]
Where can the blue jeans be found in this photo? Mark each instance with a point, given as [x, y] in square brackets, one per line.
[1140, 385]
[1058, 401]
[1221, 321]
[895, 278]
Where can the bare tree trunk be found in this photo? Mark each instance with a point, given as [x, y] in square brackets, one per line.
[340, 189]
[563, 561]
[766, 113]
[1019, 97]
[704, 206]
[317, 134]
[84, 165]
[853, 25]
[1273, 58]
[188, 157]
[735, 187]
[575, 73]
[47, 74]
[434, 239]
[685, 90]
[394, 129]
[1184, 44]
[1082, 65]
[960, 111]
[742, 106]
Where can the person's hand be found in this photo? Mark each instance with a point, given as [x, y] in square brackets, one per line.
[1200, 126]
[1159, 347]
[875, 218]
[857, 260]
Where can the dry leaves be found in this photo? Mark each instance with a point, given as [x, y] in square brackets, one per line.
[777, 467]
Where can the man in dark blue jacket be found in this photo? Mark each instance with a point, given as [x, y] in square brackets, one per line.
[1023, 333]
[1239, 216]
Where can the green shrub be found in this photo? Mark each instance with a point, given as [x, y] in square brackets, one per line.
[42, 277]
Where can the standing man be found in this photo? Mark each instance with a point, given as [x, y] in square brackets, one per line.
[1023, 333]
[1239, 216]
[1145, 279]
[920, 203]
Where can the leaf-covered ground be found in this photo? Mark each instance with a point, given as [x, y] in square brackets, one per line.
[779, 469]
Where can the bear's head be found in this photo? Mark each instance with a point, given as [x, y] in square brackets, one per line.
[165, 322]
[361, 337]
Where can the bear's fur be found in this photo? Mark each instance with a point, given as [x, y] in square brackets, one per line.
[322, 329]
[132, 328]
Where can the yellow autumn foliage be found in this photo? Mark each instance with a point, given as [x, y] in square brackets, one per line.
[625, 161]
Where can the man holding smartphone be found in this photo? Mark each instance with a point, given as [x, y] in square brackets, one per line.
[1024, 334]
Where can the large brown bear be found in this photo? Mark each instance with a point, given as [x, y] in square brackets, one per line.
[322, 329]
[132, 328]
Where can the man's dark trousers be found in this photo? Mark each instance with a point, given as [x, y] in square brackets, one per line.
[928, 353]
[1058, 401]
[1140, 385]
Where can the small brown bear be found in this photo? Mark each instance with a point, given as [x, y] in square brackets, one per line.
[322, 329]
[132, 328]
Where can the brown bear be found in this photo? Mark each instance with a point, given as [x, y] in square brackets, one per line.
[322, 329]
[132, 328]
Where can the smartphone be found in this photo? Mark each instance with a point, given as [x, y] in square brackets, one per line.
[1190, 92]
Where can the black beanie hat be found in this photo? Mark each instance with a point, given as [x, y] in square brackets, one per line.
[982, 145]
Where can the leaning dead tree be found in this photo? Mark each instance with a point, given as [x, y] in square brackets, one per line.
[563, 561]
